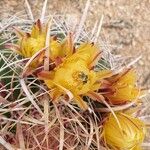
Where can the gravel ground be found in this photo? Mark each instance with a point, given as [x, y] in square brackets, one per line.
[126, 23]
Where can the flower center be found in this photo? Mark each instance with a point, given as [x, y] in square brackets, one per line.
[80, 76]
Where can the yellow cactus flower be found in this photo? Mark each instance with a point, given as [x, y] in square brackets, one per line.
[128, 136]
[123, 88]
[30, 43]
[75, 75]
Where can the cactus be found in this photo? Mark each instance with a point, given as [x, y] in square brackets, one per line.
[59, 87]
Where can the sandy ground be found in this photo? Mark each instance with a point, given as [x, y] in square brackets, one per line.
[126, 23]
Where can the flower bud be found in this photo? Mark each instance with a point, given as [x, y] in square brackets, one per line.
[125, 134]
[123, 87]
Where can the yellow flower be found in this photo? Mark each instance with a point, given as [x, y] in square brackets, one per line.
[30, 43]
[128, 136]
[123, 88]
[75, 75]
